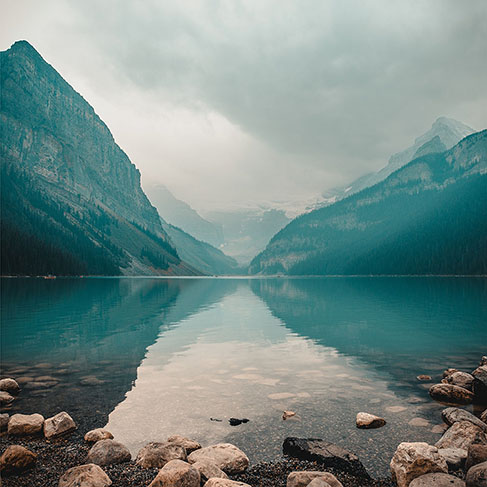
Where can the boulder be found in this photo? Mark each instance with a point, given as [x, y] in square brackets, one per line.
[448, 372]
[454, 415]
[476, 453]
[89, 475]
[9, 385]
[368, 421]
[108, 452]
[461, 379]
[450, 394]
[325, 453]
[302, 479]
[59, 425]
[25, 424]
[98, 434]
[477, 476]
[156, 455]
[15, 459]
[318, 483]
[225, 456]
[216, 482]
[177, 473]
[209, 470]
[411, 460]
[454, 457]
[437, 480]
[480, 383]
[3, 421]
[5, 397]
[186, 443]
[461, 435]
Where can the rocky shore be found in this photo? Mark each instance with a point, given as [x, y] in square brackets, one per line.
[38, 451]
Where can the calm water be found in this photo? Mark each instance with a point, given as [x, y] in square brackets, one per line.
[154, 357]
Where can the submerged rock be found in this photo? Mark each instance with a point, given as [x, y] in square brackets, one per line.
[25, 424]
[419, 422]
[9, 385]
[454, 415]
[59, 425]
[448, 393]
[302, 479]
[461, 435]
[423, 377]
[411, 460]
[325, 453]
[225, 456]
[15, 459]
[186, 443]
[368, 421]
[156, 454]
[437, 480]
[98, 434]
[108, 452]
[5, 397]
[89, 475]
[477, 476]
[177, 473]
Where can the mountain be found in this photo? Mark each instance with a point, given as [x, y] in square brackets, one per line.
[71, 199]
[247, 230]
[180, 214]
[201, 255]
[428, 217]
[445, 132]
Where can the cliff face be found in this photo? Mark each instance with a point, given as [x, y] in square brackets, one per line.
[56, 148]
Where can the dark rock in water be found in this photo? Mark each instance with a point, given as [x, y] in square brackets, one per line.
[325, 453]
[236, 422]
[480, 384]
[454, 415]
[216, 420]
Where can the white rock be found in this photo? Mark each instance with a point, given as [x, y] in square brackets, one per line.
[368, 421]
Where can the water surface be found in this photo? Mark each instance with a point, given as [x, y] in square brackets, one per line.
[153, 357]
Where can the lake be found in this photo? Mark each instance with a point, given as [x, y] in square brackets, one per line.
[152, 357]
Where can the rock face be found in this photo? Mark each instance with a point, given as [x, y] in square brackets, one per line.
[437, 480]
[477, 476]
[451, 394]
[9, 385]
[25, 424]
[225, 456]
[108, 452]
[461, 435]
[302, 479]
[454, 415]
[454, 457]
[189, 445]
[98, 434]
[59, 425]
[3, 421]
[411, 460]
[15, 459]
[156, 454]
[325, 453]
[209, 470]
[368, 421]
[85, 476]
[177, 473]
[480, 383]
[215, 482]
[476, 454]
[461, 379]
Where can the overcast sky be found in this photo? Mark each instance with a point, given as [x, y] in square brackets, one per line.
[231, 103]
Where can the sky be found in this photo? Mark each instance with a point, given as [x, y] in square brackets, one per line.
[242, 103]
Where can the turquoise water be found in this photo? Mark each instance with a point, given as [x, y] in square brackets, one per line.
[154, 357]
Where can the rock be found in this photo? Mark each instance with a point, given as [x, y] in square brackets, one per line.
[477, 476]
[186, 443]
[225, 456]
[454, 415]
[448, 372]
[209, 470]
[448, 393]
[461, 435]
[156, 455]
[89, 475]
[98, 434]
[108, 452]
[368, 421]
[216, 482]
[5, 397]
[318, 483]
[288, 414]
[177, 473]
[419, 422]
[325, 453]
[461, 379]
[423, 377]
[25, 424]
[302, 479]
[9, 385]
[483, 416]
[483, 360]
[439, 428]
[437, 480]
[59, 425]
[15, 459]
[480, 383]
[236, 421]
[411, 460]
[396, 409]
[476, 454]
[454, 457]
[3, 421]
